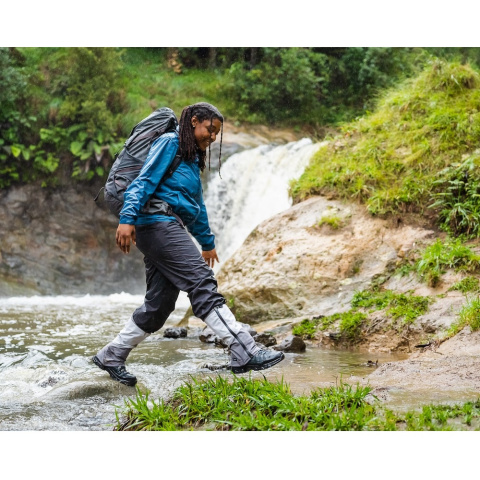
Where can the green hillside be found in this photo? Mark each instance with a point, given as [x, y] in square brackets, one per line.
[417, 149]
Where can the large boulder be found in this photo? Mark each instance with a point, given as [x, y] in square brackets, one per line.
[291, 267]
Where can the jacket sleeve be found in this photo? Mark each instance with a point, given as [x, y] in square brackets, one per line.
[200, 229]
[160, 157]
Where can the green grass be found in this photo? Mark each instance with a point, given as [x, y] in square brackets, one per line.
[246, 404]
[467, 284]
[440, 256]
[333, 221]
[150, 85]
[398, 306]
[306, 329]
[349, 324]
[390, 159]
[442, 417]
[469, 315]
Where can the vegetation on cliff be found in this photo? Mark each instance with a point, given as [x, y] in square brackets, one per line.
[401, 309]
[418, 150]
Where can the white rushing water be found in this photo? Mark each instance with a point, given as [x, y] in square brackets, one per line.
[253, 188]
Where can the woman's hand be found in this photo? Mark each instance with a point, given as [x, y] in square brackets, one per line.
[210, 257]
[125, 236]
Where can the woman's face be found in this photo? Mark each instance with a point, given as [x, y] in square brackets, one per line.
[205, 132]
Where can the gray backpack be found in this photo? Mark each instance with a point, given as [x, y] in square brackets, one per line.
[130, 161]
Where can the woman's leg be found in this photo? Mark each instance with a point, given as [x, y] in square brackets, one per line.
[158, 304]
[169, 247]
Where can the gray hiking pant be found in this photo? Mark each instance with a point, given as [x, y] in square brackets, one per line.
[173, 263]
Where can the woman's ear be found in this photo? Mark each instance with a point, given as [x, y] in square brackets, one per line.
[194, 121]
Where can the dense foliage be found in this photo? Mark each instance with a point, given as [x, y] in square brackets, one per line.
[410, 152]
[60, 111]
[65, 111]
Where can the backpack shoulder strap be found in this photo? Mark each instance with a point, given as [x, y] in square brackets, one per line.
[173, 166]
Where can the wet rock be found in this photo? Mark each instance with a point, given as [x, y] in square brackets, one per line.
[291, 344]
[208, 336]
[175, 332]
[266, 339]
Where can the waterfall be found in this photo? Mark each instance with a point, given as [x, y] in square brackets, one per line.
[253, 188]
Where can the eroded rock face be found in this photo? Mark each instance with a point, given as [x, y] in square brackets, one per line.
[60, 242]
[291, 267]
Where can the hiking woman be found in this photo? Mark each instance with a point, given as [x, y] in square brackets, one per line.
[172, 261]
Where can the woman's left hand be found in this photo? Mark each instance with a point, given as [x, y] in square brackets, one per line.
[210, 257]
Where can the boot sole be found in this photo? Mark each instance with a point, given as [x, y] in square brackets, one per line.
[99, 364]
[263, 366]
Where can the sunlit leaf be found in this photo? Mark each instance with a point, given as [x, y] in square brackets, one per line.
[16, 151]
[76, 148]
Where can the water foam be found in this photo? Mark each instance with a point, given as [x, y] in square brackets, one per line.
[253, 188]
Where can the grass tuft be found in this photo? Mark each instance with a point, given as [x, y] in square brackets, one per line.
[333, 221]
[245, 404]
[466, 285]
[398, 305]
[440, 256]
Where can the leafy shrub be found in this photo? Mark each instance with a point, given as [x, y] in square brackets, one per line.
[282, 86]
[76, 96]
[440, 256]
[13, 119]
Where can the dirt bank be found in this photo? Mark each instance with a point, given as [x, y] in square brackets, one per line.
[447, 373]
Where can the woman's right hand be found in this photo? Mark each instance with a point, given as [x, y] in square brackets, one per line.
[125, 236]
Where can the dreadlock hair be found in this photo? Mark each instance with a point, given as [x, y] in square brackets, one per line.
[188, 148]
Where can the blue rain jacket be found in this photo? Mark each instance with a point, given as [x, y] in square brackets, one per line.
[182, 191]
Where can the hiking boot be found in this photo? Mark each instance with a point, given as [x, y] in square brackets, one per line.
[119, 374]
[260, 361]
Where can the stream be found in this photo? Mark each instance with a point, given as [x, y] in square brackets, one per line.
[47, 380]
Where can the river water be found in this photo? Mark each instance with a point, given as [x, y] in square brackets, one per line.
[47, 380]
